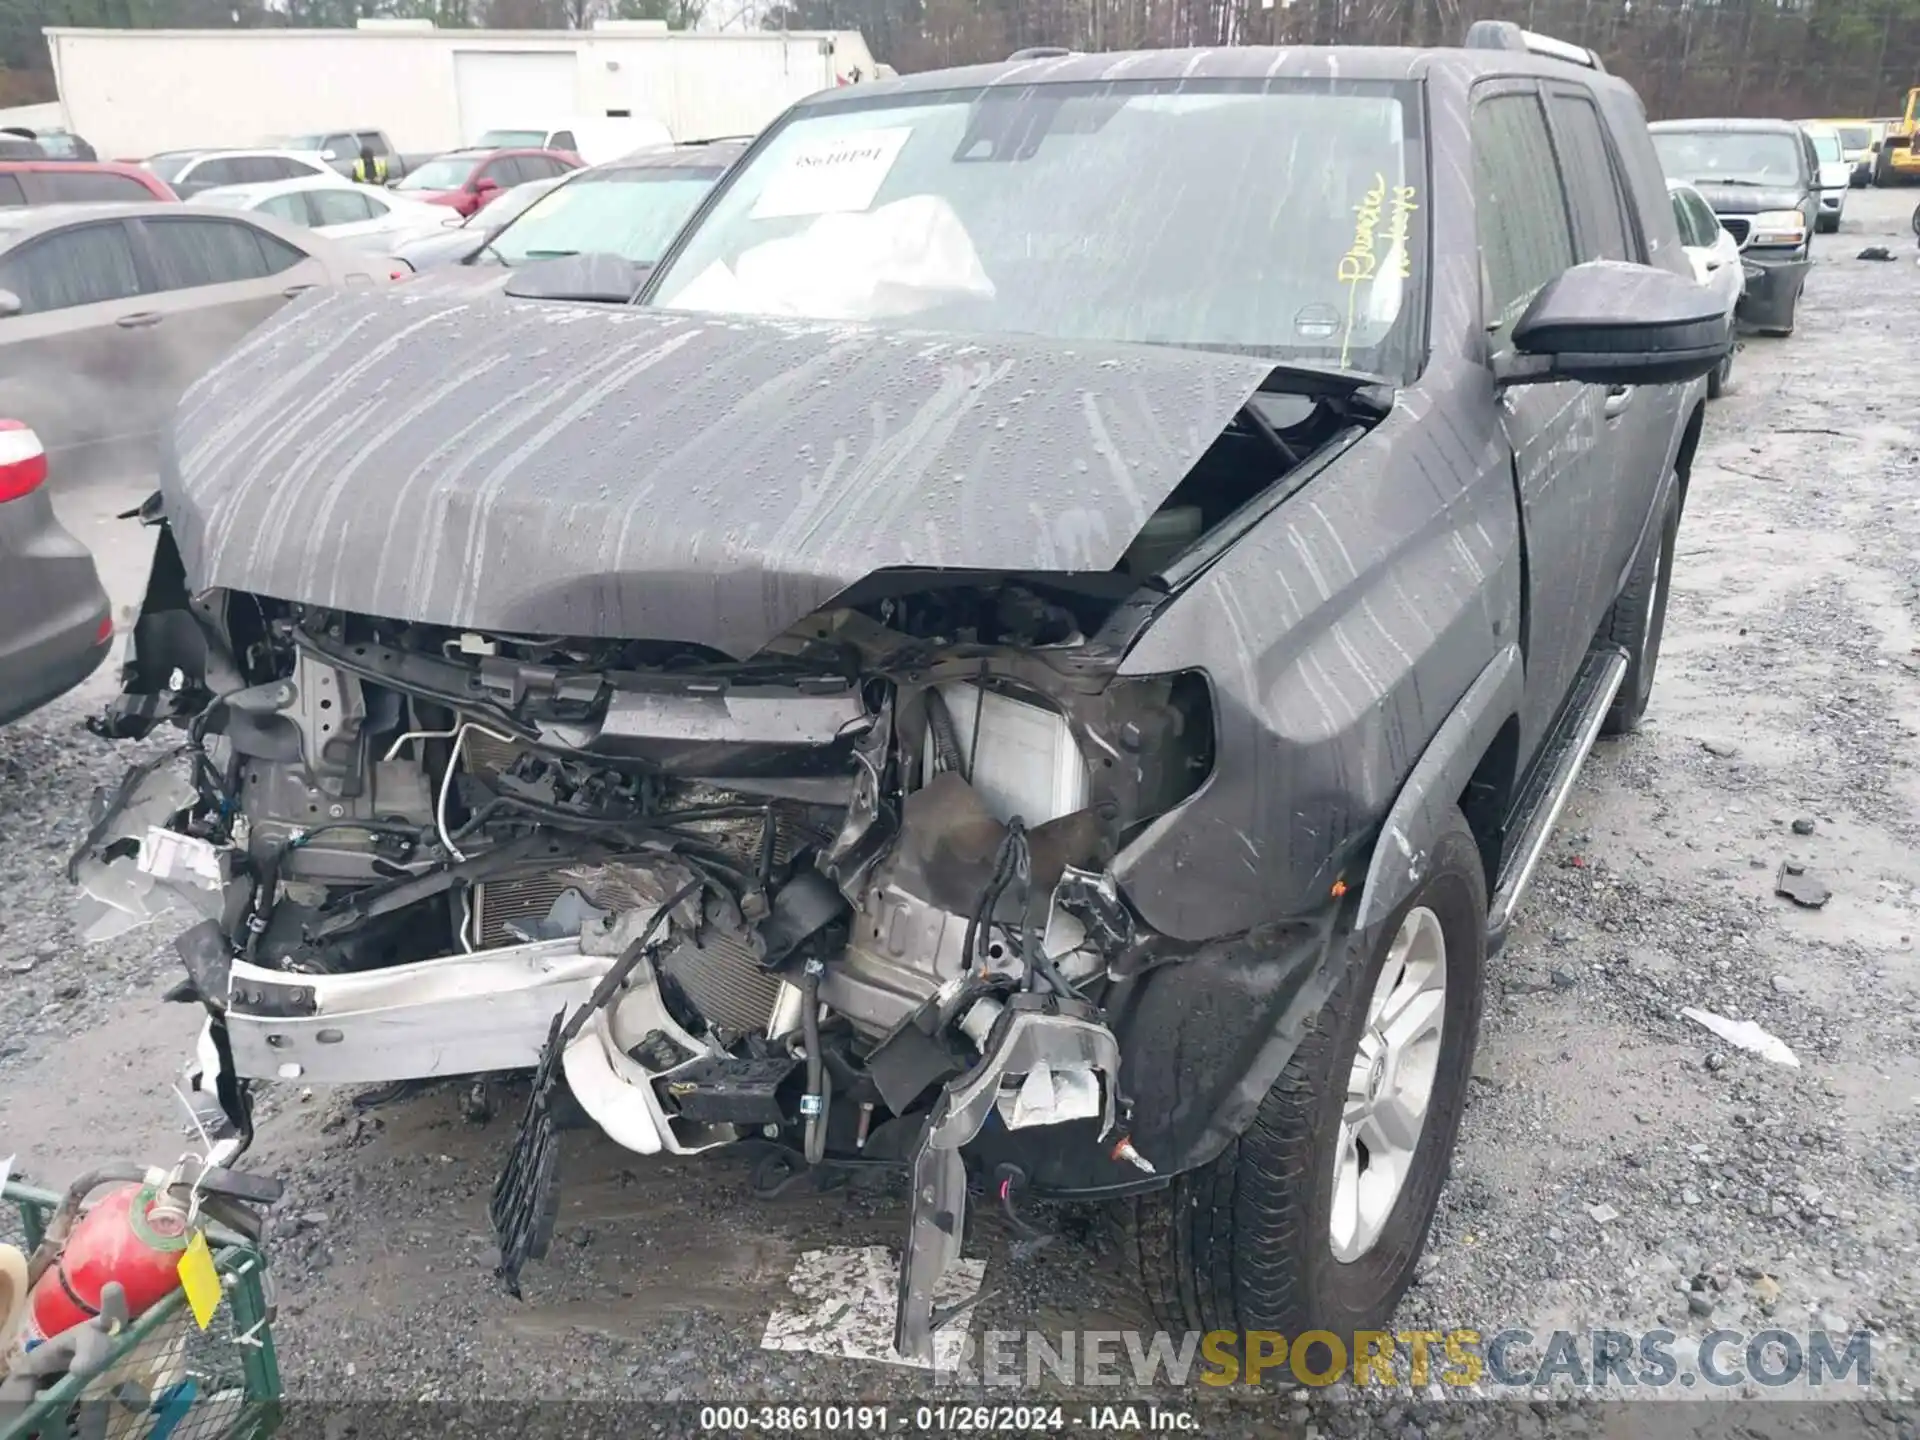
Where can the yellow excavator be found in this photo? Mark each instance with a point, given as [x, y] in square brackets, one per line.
[1898, 162]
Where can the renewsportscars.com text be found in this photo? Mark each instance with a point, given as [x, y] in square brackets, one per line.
[1511, 1358]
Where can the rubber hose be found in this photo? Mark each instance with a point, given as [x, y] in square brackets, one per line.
[946, 739]
[817, 1081]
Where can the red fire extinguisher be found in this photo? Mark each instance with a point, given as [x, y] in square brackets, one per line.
[134, 1234]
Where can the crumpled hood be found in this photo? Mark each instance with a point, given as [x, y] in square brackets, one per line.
[474, 461]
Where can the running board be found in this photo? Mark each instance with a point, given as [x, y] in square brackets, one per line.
[1561, 759]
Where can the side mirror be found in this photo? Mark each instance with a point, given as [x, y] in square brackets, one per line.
[484, 186]
[1611, 323]
[328, 155]
[10, 304]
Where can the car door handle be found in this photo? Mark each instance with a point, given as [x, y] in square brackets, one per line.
[1618, 399]
[293, 290]
[140, 321]
[1715, 264]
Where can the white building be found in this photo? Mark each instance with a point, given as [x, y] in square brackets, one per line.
[132, 93]
[32, 117]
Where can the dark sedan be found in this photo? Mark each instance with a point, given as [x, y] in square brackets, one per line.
[56, 624]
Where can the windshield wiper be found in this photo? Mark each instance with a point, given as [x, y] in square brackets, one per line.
[1730, 180]
[549, 254]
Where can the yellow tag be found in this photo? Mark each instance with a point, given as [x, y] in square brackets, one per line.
[200, 1280]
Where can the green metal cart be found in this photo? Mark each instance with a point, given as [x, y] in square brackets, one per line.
[164, 1378]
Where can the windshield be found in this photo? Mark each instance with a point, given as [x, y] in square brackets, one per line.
[1856, 137]
[512, 139]
[632, 213]
[59, 145]
[509, 205]
[168, 167]
[1279, 217]
[299, 142]
[1730, 157]
[229, 197]
[1826, 144]
[449, 172]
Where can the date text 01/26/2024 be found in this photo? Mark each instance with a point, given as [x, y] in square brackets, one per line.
[943, 1419]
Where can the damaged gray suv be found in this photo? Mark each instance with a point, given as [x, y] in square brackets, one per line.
[1043, 652]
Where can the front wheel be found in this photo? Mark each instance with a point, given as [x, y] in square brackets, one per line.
[1638, 620]
[1315, 1218]
[1721, 377]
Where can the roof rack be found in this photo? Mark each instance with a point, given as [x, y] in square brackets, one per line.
[1040, 52]
[1505, 35]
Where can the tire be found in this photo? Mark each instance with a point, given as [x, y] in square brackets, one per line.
[1721, 377]
[1638, 620]
[1246, 1242]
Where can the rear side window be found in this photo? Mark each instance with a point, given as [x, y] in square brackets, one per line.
[10, 191]
[338, 207]
[1519, 206]
[1683, 219]
[288, 207]
[87, 265]
[188, 252]
[1699, 226]
[1704, 220]
[258, 169]
[86, 186]
[563, 140]
[1593, 184]
[219, 171]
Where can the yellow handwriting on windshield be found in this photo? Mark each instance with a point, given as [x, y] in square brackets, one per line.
[1359, 262]
[1397, 227]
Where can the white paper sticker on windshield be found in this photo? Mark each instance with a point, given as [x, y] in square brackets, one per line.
[829, 177]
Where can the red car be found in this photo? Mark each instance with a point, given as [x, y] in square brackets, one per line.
[61, 182]
[468, 179]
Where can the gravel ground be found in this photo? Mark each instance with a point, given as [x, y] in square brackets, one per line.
[1619, 1167]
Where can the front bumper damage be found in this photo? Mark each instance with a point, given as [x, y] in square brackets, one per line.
[911, 846]
[951, 1045]
[1773, 286]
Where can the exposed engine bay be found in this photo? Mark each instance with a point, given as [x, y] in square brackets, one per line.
[851, 897]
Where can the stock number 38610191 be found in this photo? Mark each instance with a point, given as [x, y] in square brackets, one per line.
[878, 1419]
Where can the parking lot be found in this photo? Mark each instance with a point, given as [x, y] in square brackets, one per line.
[1620, 1166]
